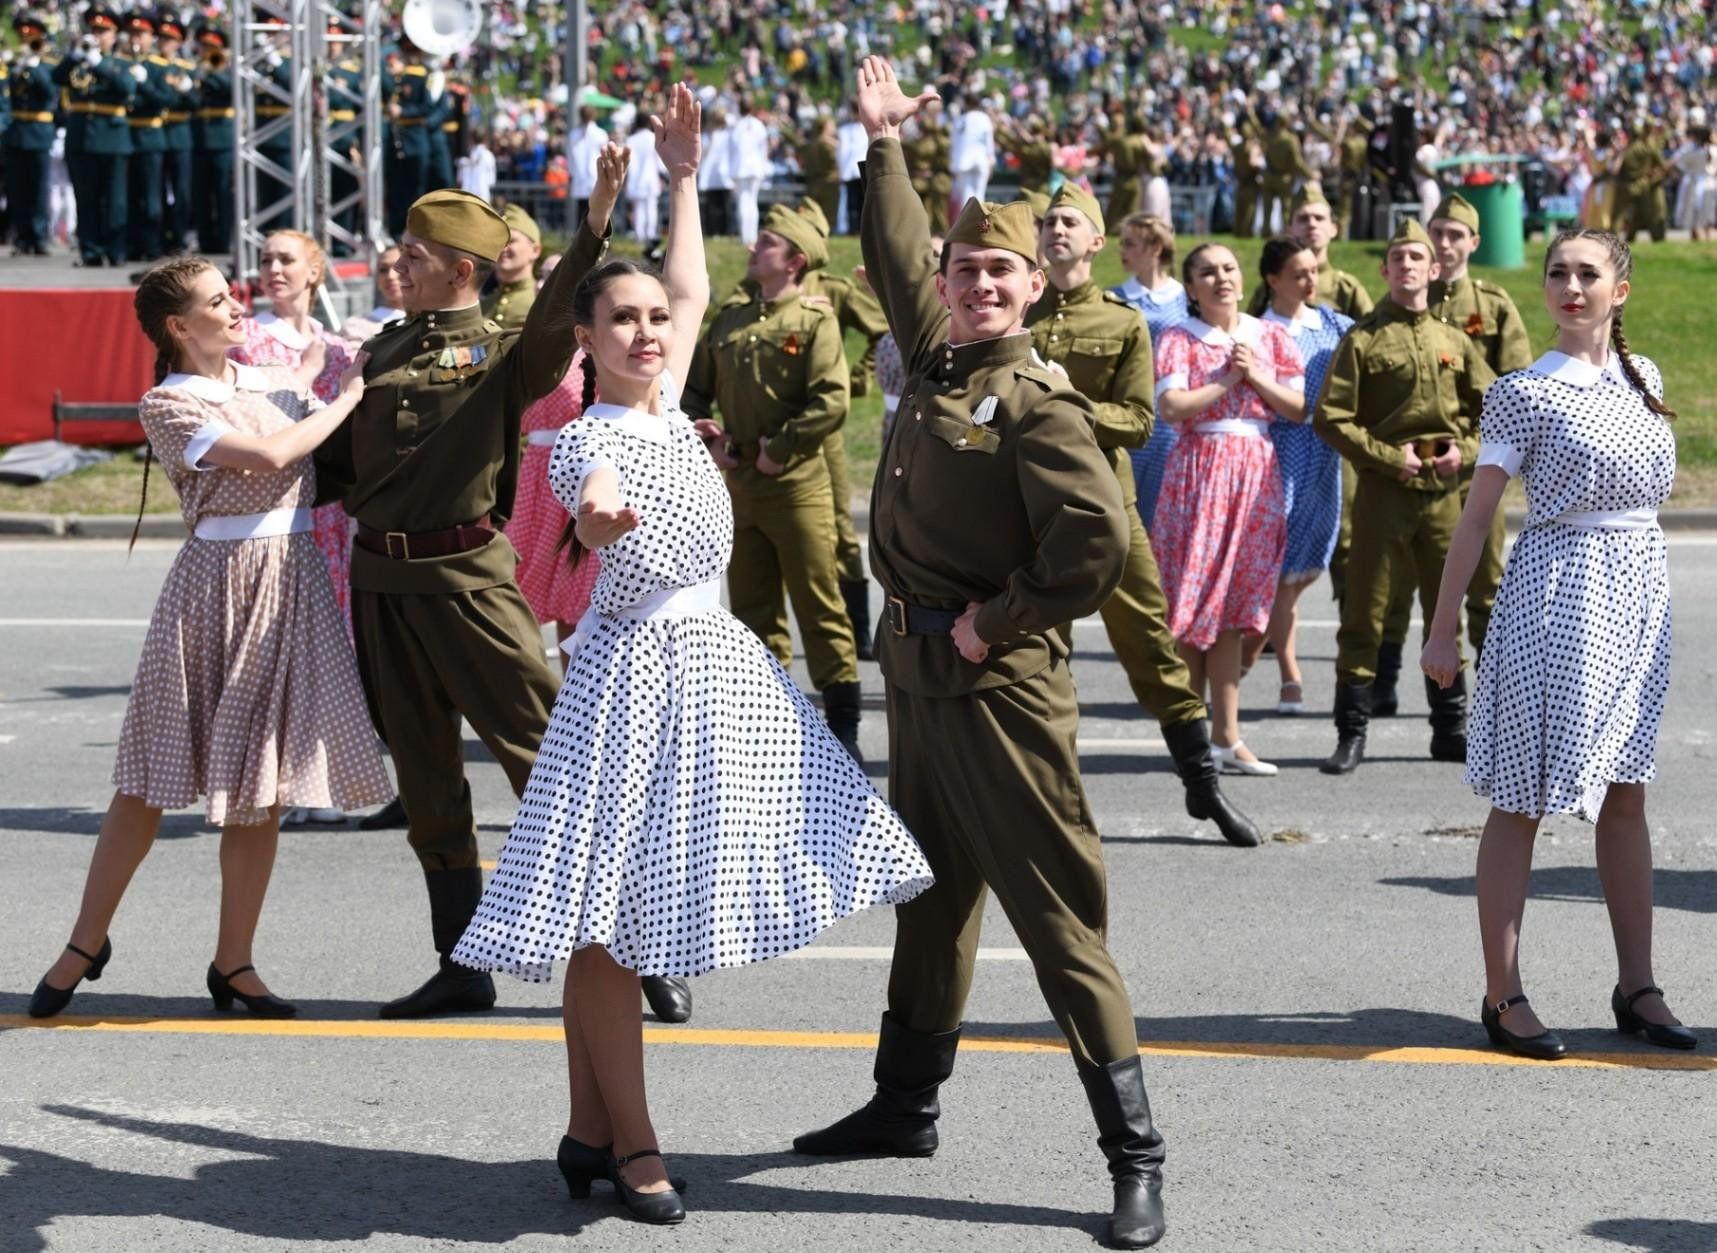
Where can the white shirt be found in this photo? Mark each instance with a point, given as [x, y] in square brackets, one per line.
[974, 142]
[751, 149]
[477, 171]
[851, 144]
[581, 161]
[644, 174]
[715, 166]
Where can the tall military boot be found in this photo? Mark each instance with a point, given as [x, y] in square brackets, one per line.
[453, 989]
[1189, 745]
[1384, 701]
[1135, 1151]
[670, 998]
[1448, 718]
[900, 1120]
[856, 594]
[1352, 713]
[842, 703]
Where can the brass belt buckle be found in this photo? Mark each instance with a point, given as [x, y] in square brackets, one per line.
[404, 553]
[895, 609]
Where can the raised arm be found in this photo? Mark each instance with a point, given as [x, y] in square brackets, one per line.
[685, 274]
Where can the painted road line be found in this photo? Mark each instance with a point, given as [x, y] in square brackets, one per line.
[369, 1029]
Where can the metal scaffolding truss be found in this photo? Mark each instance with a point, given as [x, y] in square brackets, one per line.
[308, 144]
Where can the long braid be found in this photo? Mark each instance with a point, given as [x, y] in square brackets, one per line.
[1621, 259]
[1630, 367]
[587, 367]
[161, 293]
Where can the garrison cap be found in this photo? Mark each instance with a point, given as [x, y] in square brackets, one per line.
[1073, 196]
[800, 231]
[1410, 232]
[518, 220]
[1311, 193]
[1038, 200]
[459, 219]
[1012, 227]
[1456, 208]
[812, 212]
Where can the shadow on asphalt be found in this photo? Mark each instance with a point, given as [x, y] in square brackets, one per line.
[312, 1191]
[72, 692]
[1658, 1235]
[1133, 763]
[64, 820]
[1692, 890]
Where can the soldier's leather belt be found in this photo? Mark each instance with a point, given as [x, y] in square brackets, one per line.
[32, 117]
[146, 123]
[408, 546]
[343, 115]
[209, 113]
[99, 110]
[173, 119]
[908, 619]
[272, 110]
[409, 121]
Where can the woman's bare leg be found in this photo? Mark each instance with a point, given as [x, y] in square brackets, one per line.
[588, 1121]
[611, 1025]
[127, 832]
[247, 864]
[1624, 870]
[1504, 870]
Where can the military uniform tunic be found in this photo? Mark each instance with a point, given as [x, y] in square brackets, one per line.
[1021, 514]
[212, 168]
[510, 303]
[98, 141]
[144, 171]
[177, 123]
[31, 97]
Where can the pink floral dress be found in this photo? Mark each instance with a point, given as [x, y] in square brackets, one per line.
[555, 590]
[269, 340]
[1220, 523]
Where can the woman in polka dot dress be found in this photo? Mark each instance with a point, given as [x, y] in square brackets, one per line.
[247, 690]
[1576, 664]
[689, 809]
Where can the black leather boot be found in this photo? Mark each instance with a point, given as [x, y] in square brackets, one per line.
[1352, 713]
[842, 703]
[900, 1120]
[670, 999]
[387, 817]
[1384, 701]
[857, 598]
[1448, 718]
[1135, 1151]
[1189, 745]
[453, 989]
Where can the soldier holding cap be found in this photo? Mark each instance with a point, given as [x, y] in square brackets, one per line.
[1105, 348]
[98, 90]
[515, 290]
[32, 98]
[1401, 402]
[775, 368]
[995, 520]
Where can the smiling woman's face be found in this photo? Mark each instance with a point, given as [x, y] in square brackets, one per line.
[212, 320]
[632, 331]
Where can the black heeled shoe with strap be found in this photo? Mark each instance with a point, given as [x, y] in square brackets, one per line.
[47, 1000]
[581, 1165]
[224, 994]
[660, 1208]
[1666, 1035]
[1546, 1046]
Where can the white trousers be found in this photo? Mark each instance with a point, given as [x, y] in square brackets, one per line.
[969, 185]
[745, 195]
[646, 215]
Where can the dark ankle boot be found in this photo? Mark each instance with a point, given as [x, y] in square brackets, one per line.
[1448, 718]
[900, 1120]
[1352, 714]
[1189, 745]
[1384, 701]
[453, 989]
[857, 597]
[1130, 1142]
[842, 703]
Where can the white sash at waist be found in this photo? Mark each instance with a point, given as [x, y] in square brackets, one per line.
[890, 403]
[672, 602]
[1232, 426]
[254, 525]
[1610, 519]
[543, 437]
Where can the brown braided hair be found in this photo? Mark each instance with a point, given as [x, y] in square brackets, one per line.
[1621, 260]
[164, 292]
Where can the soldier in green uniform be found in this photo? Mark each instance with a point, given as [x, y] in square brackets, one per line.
[1640, 172]
[212, 137]
[1104, 347]
[407, 165]
[775, 368]
[1285, 169]
[931, 154]
[996, 519]
[509, 300]
[1401, 402]
[176, 134]
[1246, 150]
[1354, 166]
[99, 87]
[1126, 151]
[1485, 314]
[819, 163]
[1030, 146]
[149, 105]
[31, 96]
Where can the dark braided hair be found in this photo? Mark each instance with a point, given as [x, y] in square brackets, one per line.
[164, 292]
[1186, 274]
[587, 396]
[1621, 260]
[1278, 251]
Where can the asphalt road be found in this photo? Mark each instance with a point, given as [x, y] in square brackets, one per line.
[1308, 1010]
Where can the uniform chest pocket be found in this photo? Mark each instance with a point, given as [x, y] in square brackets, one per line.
[962, 436]
[778, 361]
[1091, 362]
[1390, 365]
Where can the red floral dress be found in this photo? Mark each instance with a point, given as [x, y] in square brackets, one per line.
[1220, 524]
[555, 590]
[268, 340]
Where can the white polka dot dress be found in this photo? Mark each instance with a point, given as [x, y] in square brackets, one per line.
[689, 809]
[1576, 662]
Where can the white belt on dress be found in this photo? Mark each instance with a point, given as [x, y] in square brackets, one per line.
[543, 437]
[1610, 519]
[1232, 426]
[672, 602]
[254, 525]
[890, 403]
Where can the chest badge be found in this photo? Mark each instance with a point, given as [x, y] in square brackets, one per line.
[1475, 325]
[791, 347]
[985, 413]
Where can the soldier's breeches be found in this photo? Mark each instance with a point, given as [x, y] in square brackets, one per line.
[145, 192]
[1481, 592]
[989, 785]
[1344, 534]
[849, 556]
[428, 660]
[1403, 529]
[1136, 618]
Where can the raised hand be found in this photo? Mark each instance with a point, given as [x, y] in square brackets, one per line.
[679, 132]
[611, 166]
[352, 380]
[882, 106]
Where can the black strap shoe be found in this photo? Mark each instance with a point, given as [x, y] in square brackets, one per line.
[1189, 746]
[47, 1000]
[1663, 1034]
[670, 999]
[900, 1120]
[1546, 1046]
[660, 1208]
[263, 1006]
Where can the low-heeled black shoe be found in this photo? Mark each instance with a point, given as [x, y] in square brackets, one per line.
[661, 1208]
[670, 998]
[1663, 1034]
[581, 1165]
[264, 1006]
[47, 1000]
[1546, 1046]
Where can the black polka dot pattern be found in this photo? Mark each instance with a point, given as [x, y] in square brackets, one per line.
[689, 809]
[1576, 661]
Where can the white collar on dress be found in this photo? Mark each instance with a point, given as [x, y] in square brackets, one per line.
[1576, 373]
[1132, 289]
[278, 328]
[381, 313]
[246, 378]
[1306, 319]
[640, 422]
[1245, 333]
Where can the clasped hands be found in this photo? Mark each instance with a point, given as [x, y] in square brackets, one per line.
[1445, 464]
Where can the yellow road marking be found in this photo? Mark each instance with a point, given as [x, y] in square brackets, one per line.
[545, 1033]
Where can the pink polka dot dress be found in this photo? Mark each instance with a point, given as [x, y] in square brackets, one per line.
[555, 590]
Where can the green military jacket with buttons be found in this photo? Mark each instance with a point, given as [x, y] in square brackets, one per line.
[778, 374]
[1398, 376]
[991, 489]
[1484, 313]
[855, 310]
[510, 303]
[434, 443]
[1105, 347]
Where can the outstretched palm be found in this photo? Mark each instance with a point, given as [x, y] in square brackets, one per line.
[881, 103]
[678, 131]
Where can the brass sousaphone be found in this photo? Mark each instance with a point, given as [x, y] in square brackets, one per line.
[442, 27]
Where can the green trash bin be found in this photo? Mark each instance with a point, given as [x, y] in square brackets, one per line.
[1502, 223]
